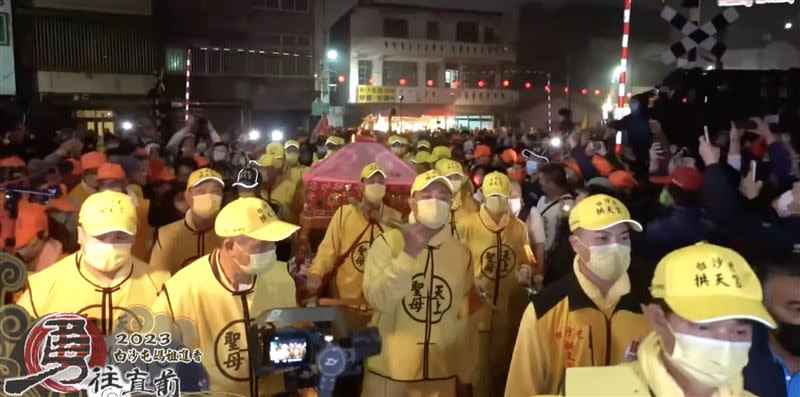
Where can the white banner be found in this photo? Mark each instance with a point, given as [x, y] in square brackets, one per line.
[8, 84]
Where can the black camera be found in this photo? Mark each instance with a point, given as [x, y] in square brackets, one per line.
[327, 350]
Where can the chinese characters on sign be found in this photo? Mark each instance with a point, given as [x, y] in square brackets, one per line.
[749, 3]
[108, 380]
[370, 94]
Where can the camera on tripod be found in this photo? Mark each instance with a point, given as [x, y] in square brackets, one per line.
[327, 351]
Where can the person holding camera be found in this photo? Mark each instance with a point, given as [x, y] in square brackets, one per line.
[418, 281]
[213, 301]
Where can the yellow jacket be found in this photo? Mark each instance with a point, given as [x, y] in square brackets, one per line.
[297, 172]
[421, 309]
[67, 287]
[219, 329]
[350, 234]
[281, 198]
[463, 206]
[179, 244]
[650, 369]
[570, 324]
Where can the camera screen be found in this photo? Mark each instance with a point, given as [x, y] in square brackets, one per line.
[287, 350]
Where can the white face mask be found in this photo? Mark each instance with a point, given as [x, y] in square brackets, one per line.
[433, 213]
[259, 263]
[457, 185]
[105, 257]
[497, 205]
[712, 362]
[609, 261]
[374, 192]
[206, 206]
[515, 205]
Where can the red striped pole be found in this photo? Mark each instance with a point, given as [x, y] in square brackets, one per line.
[623, 75]
[188, 87]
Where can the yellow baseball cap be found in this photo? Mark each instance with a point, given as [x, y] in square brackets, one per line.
[203, 174]
[600, 212]
[426, 178]
[267, 160]
[423, 143]
[334, 140]
[440, 152]
[276, 150]
[704, 283]
[291, 143]
[394, 139]
[496, 184]
[447, 167]
[106, 212]
[372, 169]
[254, 218]
[421, 157]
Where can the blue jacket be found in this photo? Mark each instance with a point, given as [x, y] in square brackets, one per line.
[763, 375]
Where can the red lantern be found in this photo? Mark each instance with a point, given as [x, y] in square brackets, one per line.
[481, 84]
[584, 91]
[547, 89]
[597, 92]
[455, 84]
[371, 81]
[506, 83]
[341, 79]
[403, 81]
[566, 90]
[685, 101]
[429, 83]
[528, 85]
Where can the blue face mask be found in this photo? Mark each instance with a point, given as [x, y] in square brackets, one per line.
[531, 167]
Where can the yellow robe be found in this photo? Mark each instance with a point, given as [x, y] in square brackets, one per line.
[220, 329]
[422, 311]
[179, 244]
[67, 287]
[349, 233]
[281, 197]
[498, 251]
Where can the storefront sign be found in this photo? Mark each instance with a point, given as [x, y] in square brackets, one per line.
[371, 94]
[750, 3]
[8, 84]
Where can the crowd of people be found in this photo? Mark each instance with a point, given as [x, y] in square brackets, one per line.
[526, 263]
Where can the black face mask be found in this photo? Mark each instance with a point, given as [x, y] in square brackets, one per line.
[788, 336]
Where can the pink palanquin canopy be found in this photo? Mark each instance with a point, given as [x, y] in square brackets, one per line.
[332, 182]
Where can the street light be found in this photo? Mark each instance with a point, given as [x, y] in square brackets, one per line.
[277, 135]
[788, 25]
[127, 126]
[332, 54]
[254, 135]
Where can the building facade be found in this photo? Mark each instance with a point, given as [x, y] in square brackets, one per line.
[415, 61]
[253, 62]
[84, 63]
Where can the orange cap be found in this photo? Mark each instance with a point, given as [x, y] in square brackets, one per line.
[62, 203]
[603, 166]
[12, 162]
[31, 219]
[165, 175]
[509, 156]
[572, 165]
[201, 161]
[77, 168]
[482, 151]
[622, 180]
[92, 160]
[110, 171]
